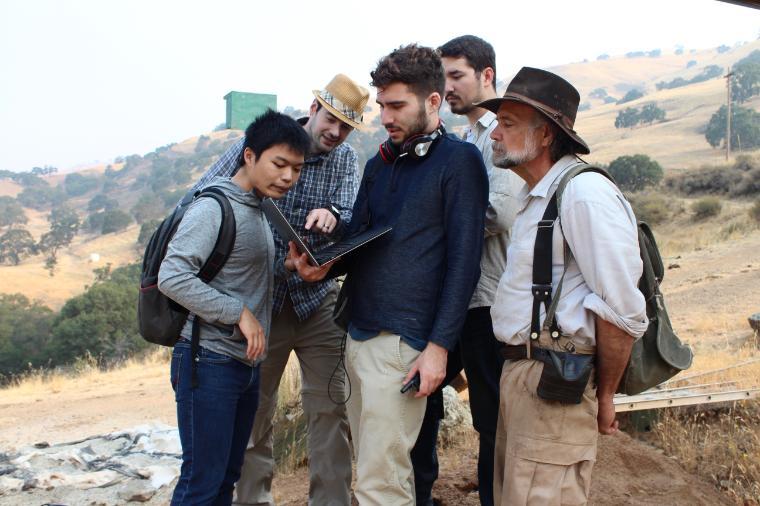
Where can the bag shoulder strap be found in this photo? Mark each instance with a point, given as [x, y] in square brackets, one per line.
[225, 240]
[542, 256]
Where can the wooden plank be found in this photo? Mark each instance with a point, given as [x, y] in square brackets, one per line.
[705, 373]
[658, 390]
[671, 399]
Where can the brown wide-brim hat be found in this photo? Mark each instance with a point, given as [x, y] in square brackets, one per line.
[549, 94]
[345, 99]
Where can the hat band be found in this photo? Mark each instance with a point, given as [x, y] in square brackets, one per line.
[342, 108]
[549, 111]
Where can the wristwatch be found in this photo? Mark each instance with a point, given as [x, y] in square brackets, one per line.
[334, 211]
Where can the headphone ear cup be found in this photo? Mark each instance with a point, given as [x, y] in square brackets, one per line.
[387, 152]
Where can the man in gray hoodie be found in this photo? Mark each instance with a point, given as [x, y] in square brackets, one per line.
[235, 308]
[319, 205]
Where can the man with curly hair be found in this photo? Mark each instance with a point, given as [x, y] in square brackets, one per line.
[408, 290]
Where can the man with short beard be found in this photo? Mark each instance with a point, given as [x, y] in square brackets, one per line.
[552, 405]
[320, 206]
[469, 64]
[408, 290]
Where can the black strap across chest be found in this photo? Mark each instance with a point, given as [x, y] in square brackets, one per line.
[542, 270]
[542, 257]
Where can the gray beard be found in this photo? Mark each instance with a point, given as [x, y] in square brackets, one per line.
[511, 159]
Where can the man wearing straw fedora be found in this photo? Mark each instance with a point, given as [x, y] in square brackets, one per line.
[575, 259]
[320, 205]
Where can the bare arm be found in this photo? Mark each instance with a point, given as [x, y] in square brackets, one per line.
[613, 349]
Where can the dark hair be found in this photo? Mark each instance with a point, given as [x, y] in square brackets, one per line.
[562, 144]
[478, 53]
[271, 129]
[416, 66]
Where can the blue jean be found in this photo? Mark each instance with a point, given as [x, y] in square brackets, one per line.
[478, 353]
[214, 420]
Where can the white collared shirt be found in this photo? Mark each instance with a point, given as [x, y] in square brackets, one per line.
[602, 274]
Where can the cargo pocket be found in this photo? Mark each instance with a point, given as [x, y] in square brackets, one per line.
[548, 431]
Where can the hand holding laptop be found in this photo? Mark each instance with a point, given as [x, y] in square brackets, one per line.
[299, 262]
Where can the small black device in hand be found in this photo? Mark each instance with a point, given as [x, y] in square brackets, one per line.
[412, 383]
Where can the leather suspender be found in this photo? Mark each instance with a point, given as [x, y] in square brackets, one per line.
[542, 271]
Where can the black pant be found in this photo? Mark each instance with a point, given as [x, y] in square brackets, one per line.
[478, 352]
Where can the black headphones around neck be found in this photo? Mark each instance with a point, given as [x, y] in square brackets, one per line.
[416, 147]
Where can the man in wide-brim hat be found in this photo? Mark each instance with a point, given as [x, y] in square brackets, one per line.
[545, 449]
[319, 206]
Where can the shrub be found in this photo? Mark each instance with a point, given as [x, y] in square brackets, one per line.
[714, 180]
[633, 173]
[754, 211]
[706, 207]
[651, 207]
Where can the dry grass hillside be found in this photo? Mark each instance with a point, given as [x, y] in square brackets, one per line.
[679, 142]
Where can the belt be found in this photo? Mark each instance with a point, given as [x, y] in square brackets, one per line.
[520, 352]
[526, 351]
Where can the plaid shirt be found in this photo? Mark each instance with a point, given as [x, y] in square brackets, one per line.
[326, 178]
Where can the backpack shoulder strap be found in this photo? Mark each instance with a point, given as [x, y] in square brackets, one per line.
[574, 171]
[225, 240]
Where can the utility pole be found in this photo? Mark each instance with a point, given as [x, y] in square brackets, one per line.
[728, 116]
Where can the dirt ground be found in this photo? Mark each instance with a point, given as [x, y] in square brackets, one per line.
[628, 471]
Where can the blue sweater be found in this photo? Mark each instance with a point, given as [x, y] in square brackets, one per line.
[417, 280]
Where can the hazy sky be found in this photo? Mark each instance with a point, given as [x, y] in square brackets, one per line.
[91, 80]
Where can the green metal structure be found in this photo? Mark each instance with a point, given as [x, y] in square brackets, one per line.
[242, 107]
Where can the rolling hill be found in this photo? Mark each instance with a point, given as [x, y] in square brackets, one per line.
[159, 177]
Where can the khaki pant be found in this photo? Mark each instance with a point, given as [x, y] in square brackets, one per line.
[384, 422]
[316, 342]
[544, 450]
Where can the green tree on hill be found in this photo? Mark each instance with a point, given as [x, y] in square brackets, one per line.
[651, 113]
[102, 321]
[64, 224]
[15, 244]
[24, 333]
[627, 118]
[11, 212]
[631, 96]
[114, 221]
[745, 128]
[635, 172]
[101, 201]
[77, 184]
[746, 81]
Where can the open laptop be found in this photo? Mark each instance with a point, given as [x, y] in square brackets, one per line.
[326, 254]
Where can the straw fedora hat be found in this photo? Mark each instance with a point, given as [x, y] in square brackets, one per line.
[549, 94]
[345, 99]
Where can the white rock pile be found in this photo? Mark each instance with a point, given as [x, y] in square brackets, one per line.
[137, 461]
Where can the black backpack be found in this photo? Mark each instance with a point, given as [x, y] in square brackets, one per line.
[659, 354]
[160, 318]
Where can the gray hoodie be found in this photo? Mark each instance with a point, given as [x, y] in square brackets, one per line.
[246, 279]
